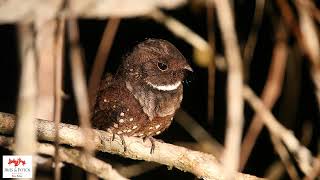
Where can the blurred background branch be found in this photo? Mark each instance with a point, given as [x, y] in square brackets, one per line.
[26, 134]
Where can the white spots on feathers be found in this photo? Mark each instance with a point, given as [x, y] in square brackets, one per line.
[158, 126]
[121, 114]
[134, 127]
[158, 132]
[121, 120]
[115, 125]
[131, 119]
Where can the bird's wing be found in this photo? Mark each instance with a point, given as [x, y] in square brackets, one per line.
[117, 111]
[105, 82]
[107, 109]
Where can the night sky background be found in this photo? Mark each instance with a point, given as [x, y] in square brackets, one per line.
[134, 30]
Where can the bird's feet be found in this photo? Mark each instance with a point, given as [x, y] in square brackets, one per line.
[122, 141]
[152, 140]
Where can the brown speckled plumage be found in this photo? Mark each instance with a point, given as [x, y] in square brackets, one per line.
[141, 99]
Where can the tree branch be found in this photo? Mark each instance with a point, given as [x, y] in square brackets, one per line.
[200, 164]
[301, 153]
[235, 104]
[72, 156]
[16, 10]
[25, 133]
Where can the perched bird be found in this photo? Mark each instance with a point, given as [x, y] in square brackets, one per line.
[142, 97]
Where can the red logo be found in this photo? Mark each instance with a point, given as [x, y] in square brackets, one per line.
[17, 162]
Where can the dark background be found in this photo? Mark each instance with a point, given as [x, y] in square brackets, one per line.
[134, 30]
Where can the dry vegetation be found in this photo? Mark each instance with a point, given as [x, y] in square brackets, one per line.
[42, 28]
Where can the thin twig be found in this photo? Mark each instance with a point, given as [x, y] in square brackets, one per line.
[79, 82]
[275, 170]
[79, 86]
[58, 67]
[73, 156]
[204, 139]
[181, 31]
[252, 38]
[270, 93]
[284, 156]
[231, 156]
[306, 36]
[101, 58]
[211, 65]
[26, 134]
[137, 169]
[309, 32]
[200, 164]
[311, 39]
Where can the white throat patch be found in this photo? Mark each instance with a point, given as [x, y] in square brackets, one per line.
[169, 87]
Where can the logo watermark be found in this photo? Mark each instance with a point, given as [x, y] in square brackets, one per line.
[16, 166]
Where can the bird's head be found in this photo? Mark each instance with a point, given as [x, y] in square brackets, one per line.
[156, 63]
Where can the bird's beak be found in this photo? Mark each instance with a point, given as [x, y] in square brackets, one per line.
[188, 67]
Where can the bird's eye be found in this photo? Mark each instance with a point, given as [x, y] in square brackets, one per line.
[162, 66]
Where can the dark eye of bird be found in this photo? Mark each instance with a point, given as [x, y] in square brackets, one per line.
[162, 66]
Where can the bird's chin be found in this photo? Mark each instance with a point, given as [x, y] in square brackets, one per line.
[167, 87]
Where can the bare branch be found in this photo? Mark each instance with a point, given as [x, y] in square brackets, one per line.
[18, 10]
[73, 156]
[45, 47]
[311, 40]
[79, 85]
[252, 38]
[58, 74]
[207, 143]
[182, 31]
[212, 64]
[25, 134]
[306, 36]
[137, 169]
[270, 94]
[275, 170]
[301, 153]
[101, 58]
[284, 156]
[79, 82]
[200, 164]
[231, 156]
